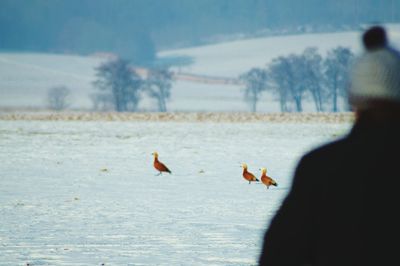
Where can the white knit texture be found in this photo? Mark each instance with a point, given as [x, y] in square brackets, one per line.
[376, 75]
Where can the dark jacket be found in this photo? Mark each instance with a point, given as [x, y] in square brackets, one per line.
[343, 204]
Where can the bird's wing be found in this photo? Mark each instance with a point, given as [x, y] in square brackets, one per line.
[249, 176]
[163, 167]
[253, 177]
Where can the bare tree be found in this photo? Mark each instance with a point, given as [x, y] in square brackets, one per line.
[255, 81]
[158, 86]
[287, 75]
[102, 101]
[118, 79]
[58, 98]
[313, 76]
[336, 66]
[279, 83]
[295, 65]
[292, 76]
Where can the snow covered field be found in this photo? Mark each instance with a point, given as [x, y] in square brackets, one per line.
[233, 58]
[26, 77]
[85, 192]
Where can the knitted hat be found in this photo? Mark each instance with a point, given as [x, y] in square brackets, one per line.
[376, 73]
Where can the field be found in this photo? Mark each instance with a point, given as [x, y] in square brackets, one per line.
[26, 77]
[80, 189]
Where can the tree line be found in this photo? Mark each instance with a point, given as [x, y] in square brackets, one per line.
[291, 79]
[137, 29]
[120, 87]
[296, 77]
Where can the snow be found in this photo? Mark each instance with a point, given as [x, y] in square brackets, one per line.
[233, 58]
[85, 192]
[188, 96]
[25, 77]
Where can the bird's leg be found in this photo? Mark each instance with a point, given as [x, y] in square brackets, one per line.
[249, 182]
[158, 174]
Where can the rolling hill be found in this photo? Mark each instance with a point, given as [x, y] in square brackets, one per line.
[26, 77]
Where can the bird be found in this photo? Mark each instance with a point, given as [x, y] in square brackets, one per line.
[266, 180]
[159, 166]
[247, 175]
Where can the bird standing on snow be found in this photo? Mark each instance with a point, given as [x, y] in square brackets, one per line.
[266, 180]
[159, 165]
[247, 175]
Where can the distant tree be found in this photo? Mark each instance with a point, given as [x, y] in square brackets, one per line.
[277, 71]
[102, 101]
[255, 81]
[326, 80]
[297, 85]
[118, 79]
[130, 28]
[158, 86]
[57, 98]
[313, 76]
[287, 73]
[336, 66]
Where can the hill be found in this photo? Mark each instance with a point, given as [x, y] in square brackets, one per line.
[26, 77]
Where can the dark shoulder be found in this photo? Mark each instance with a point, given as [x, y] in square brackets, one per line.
[319, 165]
[326, 154]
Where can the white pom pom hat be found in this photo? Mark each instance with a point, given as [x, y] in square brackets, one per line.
[376, 73]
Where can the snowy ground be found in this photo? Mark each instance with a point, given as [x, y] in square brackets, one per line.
[85, 192]
[26, 77]
[233, 58]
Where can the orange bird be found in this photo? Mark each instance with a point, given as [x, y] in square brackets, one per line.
[247, 175]
[159, 165]
[266, 180]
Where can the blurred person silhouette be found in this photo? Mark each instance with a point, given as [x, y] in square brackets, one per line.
[341, 208]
